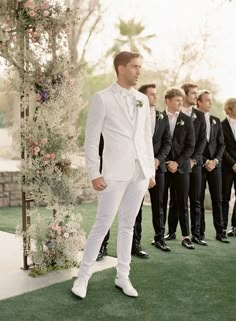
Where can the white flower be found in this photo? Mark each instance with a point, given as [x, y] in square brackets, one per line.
[213, 122]
[66, 235]
[194, 116]
[139, 103]
[160, 116]
[180, 123]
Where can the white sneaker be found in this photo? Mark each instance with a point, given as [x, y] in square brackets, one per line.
[125, 285]
[80, 288]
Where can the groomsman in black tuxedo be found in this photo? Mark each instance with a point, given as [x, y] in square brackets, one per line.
[211, 170]
[189, 104]
[229, 162]
[178, 160]
[162, 145]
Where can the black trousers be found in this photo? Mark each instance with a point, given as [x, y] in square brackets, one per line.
[195, 204]
[228, 179]
[156, 195]
[178, 184]
[214, 179]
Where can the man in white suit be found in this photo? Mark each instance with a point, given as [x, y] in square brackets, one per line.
[121, 114]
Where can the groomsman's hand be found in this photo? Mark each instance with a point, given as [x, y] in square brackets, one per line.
[210, 165]
[172, 166]
[99, 184]
[152, 182]
[157, 163]
[234, 168]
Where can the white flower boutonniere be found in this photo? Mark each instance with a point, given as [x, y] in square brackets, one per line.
[139, 103]
[194, 116]
[213, 122]
[180, 123]
[160, 116]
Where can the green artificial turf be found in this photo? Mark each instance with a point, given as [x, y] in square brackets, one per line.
[193, 285]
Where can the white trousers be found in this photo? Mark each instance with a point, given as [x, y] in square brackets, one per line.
[124, 198]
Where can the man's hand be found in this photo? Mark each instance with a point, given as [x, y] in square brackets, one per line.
[99, 184]
[157, 163]
[192, 163]
[234, 168]
[172, 166]
[152, 182]
[210, 165]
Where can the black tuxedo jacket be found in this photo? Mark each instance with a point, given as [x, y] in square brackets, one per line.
[200, 135]
[216, 145]
[161, 140]
[183, 142]
[229, 156]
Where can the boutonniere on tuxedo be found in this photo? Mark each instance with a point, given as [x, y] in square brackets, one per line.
[139, 103]
[213, 122]
[194, 116]
[180, 123]
[160, 116]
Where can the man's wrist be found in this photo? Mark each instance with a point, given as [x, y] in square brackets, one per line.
[217, 161]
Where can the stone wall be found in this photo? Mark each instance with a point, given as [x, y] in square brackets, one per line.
[10, 190]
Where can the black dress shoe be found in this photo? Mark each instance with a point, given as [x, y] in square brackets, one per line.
[222, 239]
[188, 244]
[232, 232]
[198, 241]
[162, 246]
[170, 237]
[137, 251]
[103, 252]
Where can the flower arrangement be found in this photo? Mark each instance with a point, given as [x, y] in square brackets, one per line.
[160, 116]
[57, 241]
[139, 103]
[194, 116]
[34, 42]
[180, 123]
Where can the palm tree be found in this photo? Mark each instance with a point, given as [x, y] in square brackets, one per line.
[130, 37]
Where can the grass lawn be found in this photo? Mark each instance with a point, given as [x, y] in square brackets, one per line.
[197, 285]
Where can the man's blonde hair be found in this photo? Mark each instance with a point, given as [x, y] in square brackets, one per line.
[229, 104]
[173, 92]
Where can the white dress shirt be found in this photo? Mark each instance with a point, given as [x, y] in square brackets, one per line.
[187, 111]
[208, 126]
[232, 123]
[172, 120]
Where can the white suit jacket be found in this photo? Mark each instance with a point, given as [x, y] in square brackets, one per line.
[124, 141]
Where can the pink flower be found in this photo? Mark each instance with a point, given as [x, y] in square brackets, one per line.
[36, 8]
[44, 141]
[45, 5]
[32, 14]
[66, 74]
[29, 4]
[47, 156]
[52, 156]
[46, 13]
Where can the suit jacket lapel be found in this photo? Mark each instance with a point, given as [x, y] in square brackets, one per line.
[212, 128]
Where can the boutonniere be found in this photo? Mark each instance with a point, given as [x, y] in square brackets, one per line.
[180, 123]
[213, 122]
[160, 116]
[194, 116]
[139, 103]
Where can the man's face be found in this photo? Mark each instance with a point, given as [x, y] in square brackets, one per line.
[205, 103]
[152, 96]
[174, 104]
[232, 112]
[130, 73]
[191, 98]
